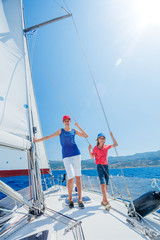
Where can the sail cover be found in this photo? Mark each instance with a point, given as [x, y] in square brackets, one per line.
[16, 88]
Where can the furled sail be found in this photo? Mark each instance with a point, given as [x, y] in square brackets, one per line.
[17, 98]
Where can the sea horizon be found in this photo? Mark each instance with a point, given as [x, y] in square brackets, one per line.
[151, 173]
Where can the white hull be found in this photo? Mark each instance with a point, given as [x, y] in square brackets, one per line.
[15, 163]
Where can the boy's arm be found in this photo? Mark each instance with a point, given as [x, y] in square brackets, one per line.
[47, 137]
[114, 140]
[89, 148]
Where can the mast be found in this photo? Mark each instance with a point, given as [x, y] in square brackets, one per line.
[38, 198]
[37, 192]
[18, 109]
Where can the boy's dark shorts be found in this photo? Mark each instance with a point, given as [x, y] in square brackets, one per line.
[103, 173]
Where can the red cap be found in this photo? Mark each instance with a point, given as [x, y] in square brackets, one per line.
[66, 117]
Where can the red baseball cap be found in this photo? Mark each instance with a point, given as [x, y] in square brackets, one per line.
[66, 117]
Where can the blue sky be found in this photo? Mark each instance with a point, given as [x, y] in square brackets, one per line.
[121, 40]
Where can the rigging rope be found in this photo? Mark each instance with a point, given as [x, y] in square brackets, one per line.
[101, 104]
[50, 78]
[100, 101]
[101, 107]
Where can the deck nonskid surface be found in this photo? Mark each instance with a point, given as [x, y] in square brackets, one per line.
[97, 223]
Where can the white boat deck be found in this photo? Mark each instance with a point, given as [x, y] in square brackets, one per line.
[97, 223]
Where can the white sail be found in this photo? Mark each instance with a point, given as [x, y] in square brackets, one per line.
[13, 88]
[16, 88]
[13, 141]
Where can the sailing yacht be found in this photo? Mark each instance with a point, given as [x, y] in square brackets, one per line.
[36, 212]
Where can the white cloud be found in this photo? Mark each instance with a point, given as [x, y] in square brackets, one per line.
[118, 62]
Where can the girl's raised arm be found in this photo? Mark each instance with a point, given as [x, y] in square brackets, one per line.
[114, 140]
[89, 148]
[47, 137]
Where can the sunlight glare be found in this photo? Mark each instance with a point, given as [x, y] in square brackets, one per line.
[148, 11]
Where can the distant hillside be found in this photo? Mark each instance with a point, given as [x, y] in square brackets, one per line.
[146, 159]
[137, 160]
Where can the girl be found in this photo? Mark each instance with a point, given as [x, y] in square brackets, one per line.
[100, 153]
[71, 156]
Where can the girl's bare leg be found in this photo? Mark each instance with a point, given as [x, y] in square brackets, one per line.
[104, 192]
[79, 187]
[70, 188]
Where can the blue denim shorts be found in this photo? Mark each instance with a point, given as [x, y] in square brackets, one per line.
[103, 173]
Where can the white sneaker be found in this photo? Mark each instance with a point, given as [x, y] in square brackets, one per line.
[108, 206]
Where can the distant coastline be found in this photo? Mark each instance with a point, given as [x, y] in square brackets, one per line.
[53, 168]
[138, 160]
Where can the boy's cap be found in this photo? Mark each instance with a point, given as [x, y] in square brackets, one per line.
[100, 135]
[66, 117]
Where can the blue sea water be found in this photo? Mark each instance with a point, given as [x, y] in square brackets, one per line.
[21, 182]
[142, 172]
